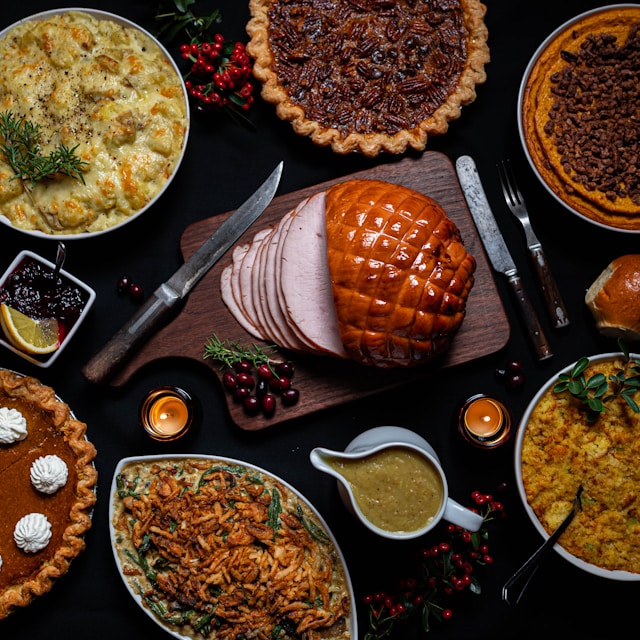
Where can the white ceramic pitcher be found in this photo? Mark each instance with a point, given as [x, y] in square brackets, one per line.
[378, 439]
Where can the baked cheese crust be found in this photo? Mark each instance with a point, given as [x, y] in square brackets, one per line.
[110, 90]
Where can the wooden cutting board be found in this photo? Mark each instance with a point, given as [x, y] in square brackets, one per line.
[325, 381]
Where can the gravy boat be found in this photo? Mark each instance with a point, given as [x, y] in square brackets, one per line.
[381, 438]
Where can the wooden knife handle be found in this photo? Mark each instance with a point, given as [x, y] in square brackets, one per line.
[540, 344]
[149, 317]
[555, 305]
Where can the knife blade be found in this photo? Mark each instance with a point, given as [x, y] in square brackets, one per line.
[497, 250]
[155, 311]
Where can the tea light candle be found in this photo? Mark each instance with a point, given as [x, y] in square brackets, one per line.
[484, 421]
[166, 413]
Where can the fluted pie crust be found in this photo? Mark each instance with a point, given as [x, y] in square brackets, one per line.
[365, 75]
[52, 429]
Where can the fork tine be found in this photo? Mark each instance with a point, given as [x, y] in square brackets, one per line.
[504, 183]
[511, 183]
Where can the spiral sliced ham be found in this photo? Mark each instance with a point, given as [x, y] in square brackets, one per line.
[368, 270]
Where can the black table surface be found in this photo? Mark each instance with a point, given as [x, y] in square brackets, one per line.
[223, 164]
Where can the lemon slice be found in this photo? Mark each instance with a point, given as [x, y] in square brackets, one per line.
[29, 335]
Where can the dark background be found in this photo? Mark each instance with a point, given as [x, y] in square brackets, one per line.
[223, 164]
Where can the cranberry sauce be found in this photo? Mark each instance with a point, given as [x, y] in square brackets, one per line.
[31, 289]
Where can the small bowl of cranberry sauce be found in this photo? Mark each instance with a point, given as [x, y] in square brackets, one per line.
[29, 285]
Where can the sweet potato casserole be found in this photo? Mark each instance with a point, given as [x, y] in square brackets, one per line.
[107, 91]
[219, 550]
[579, 116]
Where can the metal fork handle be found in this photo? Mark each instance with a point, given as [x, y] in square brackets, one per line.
[514, 588]
[516, 585]
[553, 299]
[534, 329]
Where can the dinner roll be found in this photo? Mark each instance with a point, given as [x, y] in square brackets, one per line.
[614, 298]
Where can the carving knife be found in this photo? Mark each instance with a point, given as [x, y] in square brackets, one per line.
[497, 250]
[155, 311]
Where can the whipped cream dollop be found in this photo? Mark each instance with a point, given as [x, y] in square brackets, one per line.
[32, 532]
[13, 426]
[49, 473]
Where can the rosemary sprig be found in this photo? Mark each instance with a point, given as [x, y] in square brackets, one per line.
[229, 353]
[596, 390]
[20, 145]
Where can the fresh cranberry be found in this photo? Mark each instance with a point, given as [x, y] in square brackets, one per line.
[230, 380]
[124, 283]
[268, 404]
[136, 292]
[290, 397]
[251, 405]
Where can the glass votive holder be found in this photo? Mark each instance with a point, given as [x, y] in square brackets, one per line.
[484, 421]
[166, 413]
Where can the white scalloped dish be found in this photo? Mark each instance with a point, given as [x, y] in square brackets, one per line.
[209, 545]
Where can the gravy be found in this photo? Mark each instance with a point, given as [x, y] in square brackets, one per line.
[397, 489]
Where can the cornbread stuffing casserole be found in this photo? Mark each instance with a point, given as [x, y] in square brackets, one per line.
[369, 75]
[561, 451]
[580, 116]
[218, 550]
[107, 91]
[47, 489]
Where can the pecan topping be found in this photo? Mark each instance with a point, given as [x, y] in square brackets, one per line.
[595, 120]
[390, 63]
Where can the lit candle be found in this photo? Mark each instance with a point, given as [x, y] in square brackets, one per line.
[484, 421]
[483, 417]
[166, 413]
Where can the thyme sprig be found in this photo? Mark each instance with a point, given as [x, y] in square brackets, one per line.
[229, 352]
[596, 390]
[20, 145]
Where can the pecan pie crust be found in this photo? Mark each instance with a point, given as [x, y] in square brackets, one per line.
[51, 430]
[369, 75]
[579, 116]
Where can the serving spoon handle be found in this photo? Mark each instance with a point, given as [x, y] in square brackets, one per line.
[515, 586]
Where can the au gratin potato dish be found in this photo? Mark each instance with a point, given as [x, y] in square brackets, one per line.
[99, 85]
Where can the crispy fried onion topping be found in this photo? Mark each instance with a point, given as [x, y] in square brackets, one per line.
[231, 553]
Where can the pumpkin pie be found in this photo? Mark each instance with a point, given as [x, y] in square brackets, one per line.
[367, 76]
[47, 489]
[580, 119]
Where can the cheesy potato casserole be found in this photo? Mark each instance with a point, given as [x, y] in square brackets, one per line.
[107, 90]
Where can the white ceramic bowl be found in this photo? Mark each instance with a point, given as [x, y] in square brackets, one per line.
[88, 293]
[522, 125]
[353, 629]
[581, 564]
[105, 15]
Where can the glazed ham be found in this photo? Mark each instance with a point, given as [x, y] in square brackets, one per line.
[366, 270]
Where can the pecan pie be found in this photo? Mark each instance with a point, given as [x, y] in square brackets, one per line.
[368, 75]
[47, 489]
[580, 116]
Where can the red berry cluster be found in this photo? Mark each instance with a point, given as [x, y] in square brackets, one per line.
[220, 74]
[257, 389]
[446, 568]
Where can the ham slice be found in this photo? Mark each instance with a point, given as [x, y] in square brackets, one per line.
[367, 270]
[305, 281]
